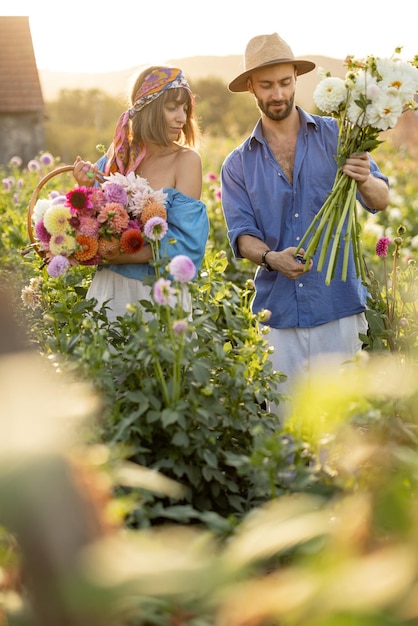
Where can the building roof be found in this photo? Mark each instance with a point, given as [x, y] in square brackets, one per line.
[20, 87]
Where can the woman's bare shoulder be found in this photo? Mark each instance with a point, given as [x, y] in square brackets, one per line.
[189, 172]
[188, 155]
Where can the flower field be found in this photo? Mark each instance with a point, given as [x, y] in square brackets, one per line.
[143, 446]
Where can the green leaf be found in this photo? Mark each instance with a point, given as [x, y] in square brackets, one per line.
[127, 422]
[180, 439]
[168, 416]
[200, 370]
[210, 458]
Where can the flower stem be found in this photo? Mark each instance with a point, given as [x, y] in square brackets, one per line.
[349, 237]
[351, 194]
[160, 377]
[358, 257]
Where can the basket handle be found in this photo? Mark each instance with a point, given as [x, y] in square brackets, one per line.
[34, 197]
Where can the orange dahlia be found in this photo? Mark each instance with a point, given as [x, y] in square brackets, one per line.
[131, 241]
[114, 216]
[153, 209]
[109, 248]
[87, 248]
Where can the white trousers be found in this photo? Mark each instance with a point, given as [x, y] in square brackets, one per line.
[298, 350]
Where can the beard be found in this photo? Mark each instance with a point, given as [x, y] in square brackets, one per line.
[277, 116]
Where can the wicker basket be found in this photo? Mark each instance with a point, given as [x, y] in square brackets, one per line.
[34, 199]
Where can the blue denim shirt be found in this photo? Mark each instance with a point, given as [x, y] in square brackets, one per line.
[258, 200]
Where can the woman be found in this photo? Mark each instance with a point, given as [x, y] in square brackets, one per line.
[155, 139]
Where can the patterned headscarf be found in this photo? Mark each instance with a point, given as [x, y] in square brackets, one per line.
[126, 157]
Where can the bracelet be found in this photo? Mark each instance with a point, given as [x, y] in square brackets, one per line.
[264, 262]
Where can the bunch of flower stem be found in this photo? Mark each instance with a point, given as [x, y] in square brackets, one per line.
[339, 210]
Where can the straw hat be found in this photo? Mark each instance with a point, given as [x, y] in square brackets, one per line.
[265, 50]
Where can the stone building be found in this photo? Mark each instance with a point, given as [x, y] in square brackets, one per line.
[22, 105]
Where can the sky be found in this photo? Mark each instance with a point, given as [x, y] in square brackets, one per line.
[85, 36]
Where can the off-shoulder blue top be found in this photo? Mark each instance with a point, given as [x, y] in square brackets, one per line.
[188, 225]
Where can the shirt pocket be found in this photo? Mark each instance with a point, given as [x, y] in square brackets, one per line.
[319, 188]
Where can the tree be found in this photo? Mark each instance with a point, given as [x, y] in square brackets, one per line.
[78, 121]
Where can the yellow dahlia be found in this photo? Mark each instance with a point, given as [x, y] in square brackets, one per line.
[62, 243]
[56, 219]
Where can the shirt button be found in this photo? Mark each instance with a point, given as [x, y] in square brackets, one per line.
[296, 214]
[300, 285]
[297, 238]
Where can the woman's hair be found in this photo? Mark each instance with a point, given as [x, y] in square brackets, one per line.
[148, 125]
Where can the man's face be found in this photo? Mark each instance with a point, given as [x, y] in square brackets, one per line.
[274, 90]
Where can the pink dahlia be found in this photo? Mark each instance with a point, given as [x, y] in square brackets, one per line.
[182, 268]
[41, 232]
[382, 246]
[58, 265]
[155, 228]
[88, 226]
[164, 293]
[79, 198]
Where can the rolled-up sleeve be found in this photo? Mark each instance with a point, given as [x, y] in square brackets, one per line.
[238, 212]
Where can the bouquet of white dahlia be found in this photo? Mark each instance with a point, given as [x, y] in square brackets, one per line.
[371, 98]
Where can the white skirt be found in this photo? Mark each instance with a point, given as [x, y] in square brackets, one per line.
[119, 291]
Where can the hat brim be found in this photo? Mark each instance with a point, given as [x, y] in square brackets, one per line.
[240, 82]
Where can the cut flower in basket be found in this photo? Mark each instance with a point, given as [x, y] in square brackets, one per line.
[371, 98]
[91, 225]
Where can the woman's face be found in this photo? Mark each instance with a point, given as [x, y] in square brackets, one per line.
[175, 114]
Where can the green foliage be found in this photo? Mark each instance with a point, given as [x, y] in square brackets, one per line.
[399, 164]
[192, 406]
[218, 109]
[392, 312]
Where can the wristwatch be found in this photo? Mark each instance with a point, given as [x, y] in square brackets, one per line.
[264, 262]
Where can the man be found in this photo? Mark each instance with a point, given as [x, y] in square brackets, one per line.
[273, 184]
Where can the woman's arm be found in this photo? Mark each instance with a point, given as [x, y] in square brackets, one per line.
[143, 256]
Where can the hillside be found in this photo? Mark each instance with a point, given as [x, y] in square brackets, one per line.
[195, 68]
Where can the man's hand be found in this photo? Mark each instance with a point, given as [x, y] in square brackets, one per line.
[373, 190]
[286, 263]
[357, 166]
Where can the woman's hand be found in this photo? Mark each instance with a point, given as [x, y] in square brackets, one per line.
[84, 172]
